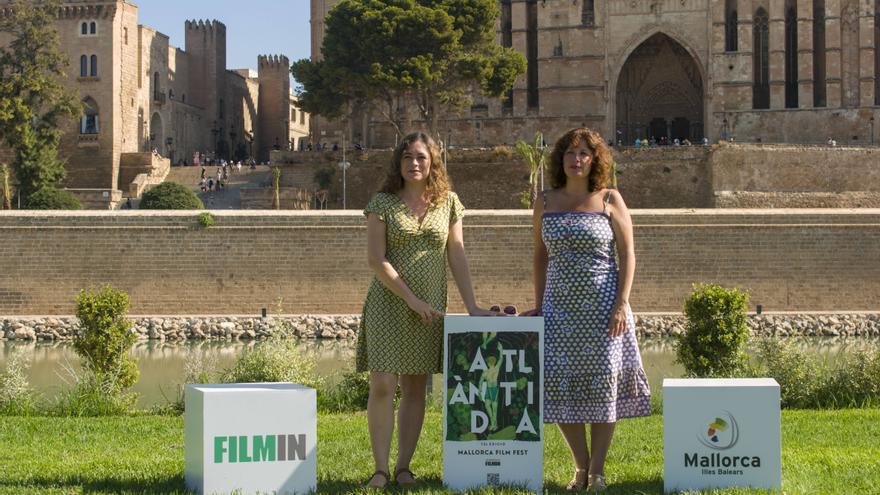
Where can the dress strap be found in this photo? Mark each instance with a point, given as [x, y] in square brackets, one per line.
[606, 201]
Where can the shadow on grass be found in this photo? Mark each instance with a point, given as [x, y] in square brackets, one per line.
[170, 485]
[434, 485]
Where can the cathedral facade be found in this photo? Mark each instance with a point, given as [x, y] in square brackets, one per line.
[146, 101]
[798, 71]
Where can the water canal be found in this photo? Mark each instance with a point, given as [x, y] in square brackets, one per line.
[162, 364]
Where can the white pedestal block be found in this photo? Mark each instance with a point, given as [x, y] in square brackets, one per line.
[251, 438]
[493, 428]
[720, 433]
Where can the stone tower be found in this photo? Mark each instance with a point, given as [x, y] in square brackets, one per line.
[206, 48]
[274, 105]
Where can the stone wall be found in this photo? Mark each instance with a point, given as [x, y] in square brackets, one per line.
[315, 262]
[726, 176]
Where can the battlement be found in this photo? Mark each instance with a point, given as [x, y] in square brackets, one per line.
[210, 26]
[74, 9]
[273, 62]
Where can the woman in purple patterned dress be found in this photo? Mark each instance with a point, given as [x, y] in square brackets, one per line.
[584, 264]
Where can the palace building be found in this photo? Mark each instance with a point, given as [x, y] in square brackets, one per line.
[797, 71]
[148, 104]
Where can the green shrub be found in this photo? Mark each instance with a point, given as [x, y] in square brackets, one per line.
[277, 359]
[350, 394]
[16, 396]
[104, 337]
[854, 381]
[171, 196]
[50, 198]
[716, 331]
[797, 373]
[324, 177]
[206, 220]
[93, 395]
[806, 382]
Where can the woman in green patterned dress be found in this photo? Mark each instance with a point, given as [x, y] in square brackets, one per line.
[413, 225]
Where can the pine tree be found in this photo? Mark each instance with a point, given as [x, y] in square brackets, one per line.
[33, 100]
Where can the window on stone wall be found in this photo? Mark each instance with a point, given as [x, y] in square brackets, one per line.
[220, 109]
[293, 115]
[791, 55]
[761, 60]
[819, 92]
[588, 14]
[532, 53]
[170, 93]
[89, 122]
[83, 66]
[94, 71]
[125, 35]
[730, 26]
[302, 118]
[84, 28]
[93, 28]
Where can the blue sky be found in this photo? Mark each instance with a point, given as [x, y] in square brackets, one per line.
[253, 27]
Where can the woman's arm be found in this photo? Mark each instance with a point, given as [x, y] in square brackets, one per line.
[460, 271]
[386, 273]
[539, 258]
[621, 222]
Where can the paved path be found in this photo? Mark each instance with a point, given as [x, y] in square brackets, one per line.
[229, 198]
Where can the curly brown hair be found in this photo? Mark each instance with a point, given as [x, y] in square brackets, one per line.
[600, 165]
[439, 184]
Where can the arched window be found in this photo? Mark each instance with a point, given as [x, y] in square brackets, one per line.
[183, 98]
[220, 109]
[125, 35]
[89, 123]
[170, 93]
[83, 66]
[730, 26]
[791, 55]
[94, 72]
[588, 14]
[84, 28]
[819, 93]
[93, 28]
[761, 60]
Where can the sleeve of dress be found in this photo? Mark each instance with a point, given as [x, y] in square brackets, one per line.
[377, 206]
[456, 209]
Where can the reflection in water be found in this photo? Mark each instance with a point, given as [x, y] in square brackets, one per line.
[162, 363]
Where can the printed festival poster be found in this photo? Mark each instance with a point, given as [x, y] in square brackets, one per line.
[493, 403]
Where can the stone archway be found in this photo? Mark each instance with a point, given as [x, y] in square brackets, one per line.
[660, 93]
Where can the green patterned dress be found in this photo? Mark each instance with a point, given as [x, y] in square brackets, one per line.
[392, 337]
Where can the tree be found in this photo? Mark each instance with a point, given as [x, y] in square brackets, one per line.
[534, 157]
[435, 54]
[32, 98]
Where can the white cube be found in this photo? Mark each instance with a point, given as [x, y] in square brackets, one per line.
[251, 438]
[720, 433]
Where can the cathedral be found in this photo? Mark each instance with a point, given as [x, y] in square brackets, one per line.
[795, 71]
[148, 104]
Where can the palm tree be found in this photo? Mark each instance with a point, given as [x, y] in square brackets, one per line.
[276, 198]
[7, 199]
[534, 157]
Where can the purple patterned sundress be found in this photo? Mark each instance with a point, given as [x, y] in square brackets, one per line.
[590, 376]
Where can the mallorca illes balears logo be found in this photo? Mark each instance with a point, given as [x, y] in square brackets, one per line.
[259, 448]
[721, 434]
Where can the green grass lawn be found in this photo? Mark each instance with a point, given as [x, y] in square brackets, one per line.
[824, 452]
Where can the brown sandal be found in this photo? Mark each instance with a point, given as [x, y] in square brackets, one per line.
[381, 473]
[399, 471]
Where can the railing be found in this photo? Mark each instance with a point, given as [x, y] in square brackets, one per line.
[159, 97]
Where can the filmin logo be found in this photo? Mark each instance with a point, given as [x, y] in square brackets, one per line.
[259, 448]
